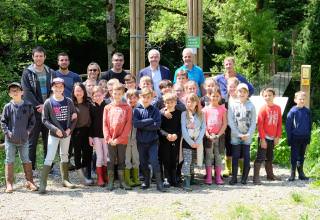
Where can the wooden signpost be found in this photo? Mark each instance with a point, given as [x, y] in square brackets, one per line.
[305, 82]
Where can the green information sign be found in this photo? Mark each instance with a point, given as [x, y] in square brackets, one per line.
[192, 42]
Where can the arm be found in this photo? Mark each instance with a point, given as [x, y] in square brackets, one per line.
[232, 123]
[279, 126]
[46, 117]
[127, 128]
[252, 127]
[289, 126]
[261, 116]
[224, 124]
[157, 122]
[5, 121]
[141, 123]
[184, 129]
[105, 127]
[202, 131]
[72, 111]
[28, 92]
[31, 121]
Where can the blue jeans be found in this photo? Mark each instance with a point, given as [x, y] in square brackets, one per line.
[11, 150]
[149, 154]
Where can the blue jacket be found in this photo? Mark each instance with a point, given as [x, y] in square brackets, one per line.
[165, 73]
[147, 121]
[298, 124]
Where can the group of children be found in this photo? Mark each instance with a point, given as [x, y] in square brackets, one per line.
[161, 136]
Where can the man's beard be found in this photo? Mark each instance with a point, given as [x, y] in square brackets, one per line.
[63, 68]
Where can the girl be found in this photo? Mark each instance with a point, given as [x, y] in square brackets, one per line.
[193, 129]
[216, 122]
[96, 138]
[80, 135]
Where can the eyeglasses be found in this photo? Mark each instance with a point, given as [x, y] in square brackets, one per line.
[93, 70]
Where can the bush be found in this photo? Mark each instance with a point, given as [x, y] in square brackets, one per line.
[312, 160]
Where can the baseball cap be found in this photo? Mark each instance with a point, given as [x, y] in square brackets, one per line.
[14, 84]
[242, 86]
[57, 80]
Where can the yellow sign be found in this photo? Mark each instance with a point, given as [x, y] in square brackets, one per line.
[305, 82]
[305, 71]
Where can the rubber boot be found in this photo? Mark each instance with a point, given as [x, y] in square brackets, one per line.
[146, 181]
[83, 178]
[269, 171]
[135, 177]
[105, 174]
[159, 182]
[186, 184]
[302, 176]
[234, 180]
[27, 167]
[256, 174]
[240, 164]
[9, 177]
[65, 176]
[123, 184]
[173, 180]
[127, 178]
[44, 178]
[217, 175]
[245, 175]
[208, 179]
[100, 179]
[111, 180]
[293, 173]
[227, 168]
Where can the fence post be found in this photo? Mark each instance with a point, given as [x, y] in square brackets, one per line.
[305, 82]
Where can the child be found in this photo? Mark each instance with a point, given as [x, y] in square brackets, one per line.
[209, 85]
[104, 84]
[182, 77]
[117, 119]
[242, 121]
[298, 128]
[96, 139]
[90, 83]
[170, 136]
[178, 89]
[146, 82]
[17, 121]
[193, 129]
[110, 83]
[216, 123]
[80, 135]
[269, 128]
[59, 116]
[132, 154]
[232, 84]
[147, 120]
[130, 81]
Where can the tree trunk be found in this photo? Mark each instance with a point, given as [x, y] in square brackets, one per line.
[111, 30]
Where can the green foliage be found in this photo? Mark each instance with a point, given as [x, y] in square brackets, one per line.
[312, 161]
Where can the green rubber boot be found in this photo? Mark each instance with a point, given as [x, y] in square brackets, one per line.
[64, 169]
[127, 178]
[44, 178]
[135, 177]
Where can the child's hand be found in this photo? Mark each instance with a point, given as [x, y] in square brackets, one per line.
[74, 116]
[9, 134]
[113, 142]
[59, 133]
[191, 126]
[68, 131]
[167, 114]
[263, 144]
[169, 137]
[276, 141]
[91, 141]
[174, 137]
[244, 137]
[195, 145]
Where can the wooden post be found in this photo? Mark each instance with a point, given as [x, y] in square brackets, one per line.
[200, 30]
[137, 35]
[305, 82]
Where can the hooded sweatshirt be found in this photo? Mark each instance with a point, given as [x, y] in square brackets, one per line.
[117, 121]
[147, 121]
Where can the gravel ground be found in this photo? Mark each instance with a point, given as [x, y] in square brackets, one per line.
[272, 200]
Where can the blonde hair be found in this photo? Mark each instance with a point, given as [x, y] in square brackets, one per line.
[118, 87]
[97, 89]
[299, 93]
[194, 98]
[146, 91]
[132, 92]
[190, 83]
[233, 80]
[98, 68]
[230, 59]
[146, 79]
[112, 82]
[169, 96]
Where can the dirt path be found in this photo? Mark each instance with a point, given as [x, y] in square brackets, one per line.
[272, 200]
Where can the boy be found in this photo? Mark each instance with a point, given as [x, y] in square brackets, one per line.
[242, 121]
[147, 120]
[59, 116]
[132, 154]
[146, 82]
[170, 135]
[130, 81]
[117, 119]
[17, 121]
[298, 128]
[269, 128]
[182, 77]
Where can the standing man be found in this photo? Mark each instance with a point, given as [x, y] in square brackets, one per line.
[222, 79]
[36, 84]
[156, 71]
[69, 77]
[195, 73]
[117, 70]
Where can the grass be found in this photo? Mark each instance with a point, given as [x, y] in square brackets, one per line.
[304, 199]
[241, 212]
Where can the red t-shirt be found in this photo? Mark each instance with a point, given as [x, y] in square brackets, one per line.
[270, 122]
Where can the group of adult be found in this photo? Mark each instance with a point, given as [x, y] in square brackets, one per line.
[37, 77]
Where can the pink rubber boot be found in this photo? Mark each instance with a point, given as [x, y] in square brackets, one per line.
[218, 179]
[208, 179]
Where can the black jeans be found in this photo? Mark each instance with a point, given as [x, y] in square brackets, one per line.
[238, 151]
[265, 154]
[82, 149]
[298, 150]
[33, 140]
[168, 152]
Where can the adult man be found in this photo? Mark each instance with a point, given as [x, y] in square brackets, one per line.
[230, 72]
[195, 73]
[155, 71]
[36, 83]
[117, 70]
[69, 77]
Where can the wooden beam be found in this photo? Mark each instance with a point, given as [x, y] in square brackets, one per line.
[132, 10]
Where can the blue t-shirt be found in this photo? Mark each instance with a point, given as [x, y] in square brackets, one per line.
[195, 74]
[60, 111]
[69, 80]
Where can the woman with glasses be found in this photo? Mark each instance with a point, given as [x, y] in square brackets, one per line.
[93, 71]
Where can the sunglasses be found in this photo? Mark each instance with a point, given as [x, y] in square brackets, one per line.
[94, 70]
